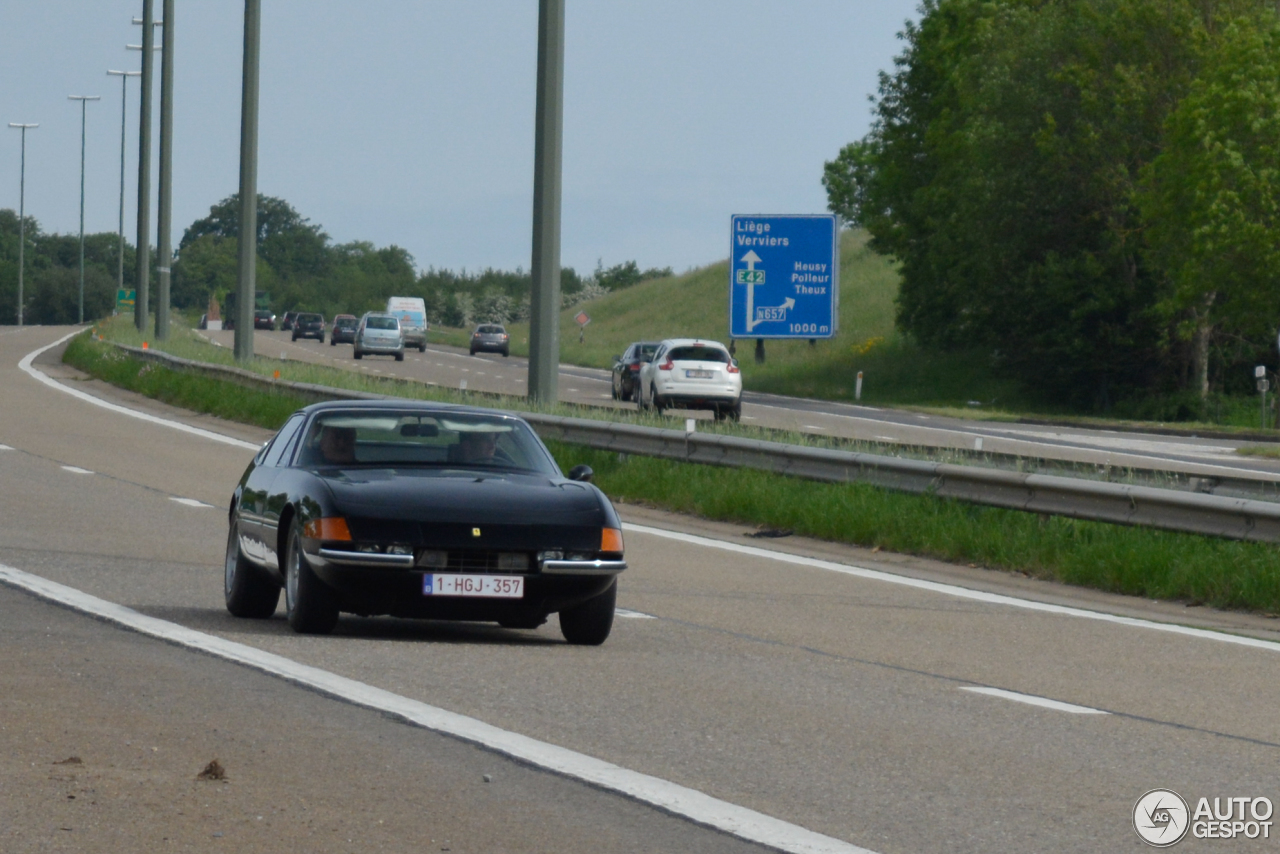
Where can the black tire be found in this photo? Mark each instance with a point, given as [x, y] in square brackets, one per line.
[589, 623]
[422, 348]
[248, 590]
[506, 353]
[358, 354]
[311, 604]
[473, 351]
[659, 405]
[332, 342]
[613, 392]
[735, 411]
[399, 357]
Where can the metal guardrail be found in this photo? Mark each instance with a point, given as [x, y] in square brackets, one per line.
[1172, 510]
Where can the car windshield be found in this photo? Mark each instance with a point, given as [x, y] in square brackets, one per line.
[448, 440]
[698, 353]
[381, 323]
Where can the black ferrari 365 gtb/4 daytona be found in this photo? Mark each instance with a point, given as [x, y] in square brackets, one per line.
[420, 510]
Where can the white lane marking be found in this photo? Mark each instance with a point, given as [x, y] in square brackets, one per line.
[190, 502]
[1033, 700]
[76, 470]
[812, 427]
[632, 615]
[34, 372]
[954, 590]
[5, 448]
[667, 796]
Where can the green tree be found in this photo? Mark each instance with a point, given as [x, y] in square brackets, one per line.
[1212, 198]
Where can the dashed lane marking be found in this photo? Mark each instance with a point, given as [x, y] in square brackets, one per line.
[76, 470]
[189, 502]
[1033, 700]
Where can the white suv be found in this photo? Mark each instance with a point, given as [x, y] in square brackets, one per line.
[689, 373]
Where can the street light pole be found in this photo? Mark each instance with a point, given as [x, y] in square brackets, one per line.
[246, 269]
[22, 210]
[544, 317]
[124, 97]
[144, 171]
[84, 102]
[163, 214]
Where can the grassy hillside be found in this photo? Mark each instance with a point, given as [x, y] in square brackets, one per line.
[696, 305]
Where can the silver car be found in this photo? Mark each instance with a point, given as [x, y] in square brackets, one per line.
[379, 334]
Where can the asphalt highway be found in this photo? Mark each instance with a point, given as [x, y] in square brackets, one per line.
[884, 702]
[451, 367]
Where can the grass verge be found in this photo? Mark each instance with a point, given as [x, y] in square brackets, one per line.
[1133, 561]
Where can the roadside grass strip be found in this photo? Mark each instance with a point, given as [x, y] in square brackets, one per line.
[669, 797]
[1142, 562]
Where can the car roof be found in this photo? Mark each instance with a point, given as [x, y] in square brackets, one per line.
[404, 404]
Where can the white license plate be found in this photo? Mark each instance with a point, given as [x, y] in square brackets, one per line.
[699, 375]
[487, 586]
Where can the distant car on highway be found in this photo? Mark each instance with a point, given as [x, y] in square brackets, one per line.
[420, 510]
[308, 325]
[378, 334]
[626, 369]
[263, 319]
[286, 322]
[490, 338]
[689, 373]
[344, 329]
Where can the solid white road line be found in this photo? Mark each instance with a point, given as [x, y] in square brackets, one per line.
[952, 589]
[667, 796]
[190, 502]
[1032, 700]
[5, 448]
[76, 470]
[26, 366]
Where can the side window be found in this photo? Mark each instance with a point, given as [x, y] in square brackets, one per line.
[283, 442]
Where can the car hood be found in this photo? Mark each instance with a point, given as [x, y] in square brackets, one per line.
[456, 495]
[446, 506]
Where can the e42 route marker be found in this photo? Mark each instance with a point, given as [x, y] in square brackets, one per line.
[784, 276]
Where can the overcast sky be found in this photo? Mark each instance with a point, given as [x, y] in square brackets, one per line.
[411, 122]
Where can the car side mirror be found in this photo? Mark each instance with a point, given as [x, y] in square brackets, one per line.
[582, 473]
[617, 359]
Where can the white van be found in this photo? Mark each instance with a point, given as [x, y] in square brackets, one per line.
[413, 320]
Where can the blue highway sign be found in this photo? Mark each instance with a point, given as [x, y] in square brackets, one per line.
[784, 275]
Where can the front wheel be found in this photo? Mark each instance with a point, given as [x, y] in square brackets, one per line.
[589, 624]
[312, 605]
[358, 354]
[422, 348]
[399, 357]
[247, 589]
[506, 353]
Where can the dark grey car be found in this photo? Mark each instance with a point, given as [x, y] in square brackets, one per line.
[490, 338]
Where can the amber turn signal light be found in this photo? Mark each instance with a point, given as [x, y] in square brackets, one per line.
[610, 540]
[327, 529]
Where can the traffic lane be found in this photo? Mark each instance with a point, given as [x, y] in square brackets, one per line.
[753, 698]
[138, 719]
[56, 427]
